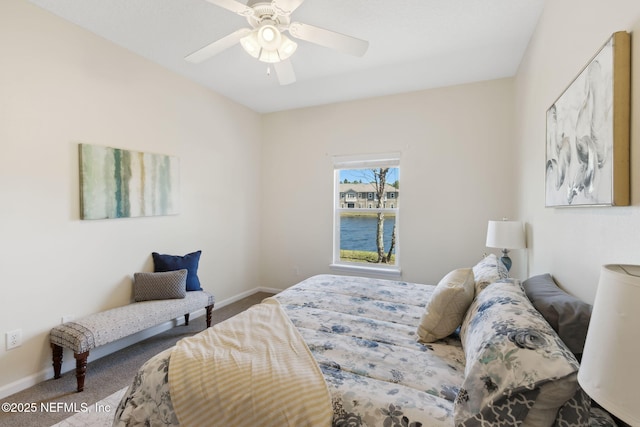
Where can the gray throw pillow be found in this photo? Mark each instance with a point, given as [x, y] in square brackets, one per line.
[155, 286]
[566, 314]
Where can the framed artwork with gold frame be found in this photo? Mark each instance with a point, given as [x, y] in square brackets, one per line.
[587, 136]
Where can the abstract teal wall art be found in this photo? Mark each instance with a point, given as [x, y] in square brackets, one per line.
[117, 183]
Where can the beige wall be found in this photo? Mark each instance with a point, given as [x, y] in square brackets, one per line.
[455, 174]
[573, 243]
[60, 85]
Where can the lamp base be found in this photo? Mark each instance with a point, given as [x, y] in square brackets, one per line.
[506, 260]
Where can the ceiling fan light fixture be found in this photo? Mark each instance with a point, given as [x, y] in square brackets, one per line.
[266, 51]
[269, 56]
[284, 51]
[250, 44]
[269, 37]
[287, 47]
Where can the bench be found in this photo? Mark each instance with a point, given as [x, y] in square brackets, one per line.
[98, 329]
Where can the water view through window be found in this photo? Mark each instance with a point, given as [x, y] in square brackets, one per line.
[358, 233]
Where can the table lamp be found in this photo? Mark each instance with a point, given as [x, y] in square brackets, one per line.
[505, 235]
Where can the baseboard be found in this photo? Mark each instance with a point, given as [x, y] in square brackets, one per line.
[24, 383]
[69, 361]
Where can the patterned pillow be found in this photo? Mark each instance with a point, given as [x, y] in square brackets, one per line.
[490, 269]
[448, 305]
[516, 365]
[165, 285]
[175, 262]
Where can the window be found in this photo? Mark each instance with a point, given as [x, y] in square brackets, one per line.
[366, 237]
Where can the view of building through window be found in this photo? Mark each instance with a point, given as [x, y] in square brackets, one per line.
[367, 206]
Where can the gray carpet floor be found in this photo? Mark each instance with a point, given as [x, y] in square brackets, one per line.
[107, 374]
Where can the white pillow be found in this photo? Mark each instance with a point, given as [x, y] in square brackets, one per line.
[448, 305]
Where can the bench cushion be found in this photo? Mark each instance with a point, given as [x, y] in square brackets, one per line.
[102, 328]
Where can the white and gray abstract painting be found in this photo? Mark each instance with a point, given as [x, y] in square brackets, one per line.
[579, 163]
[117, 183]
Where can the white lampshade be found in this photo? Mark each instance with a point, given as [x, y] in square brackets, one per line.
[505, 235]
[609, 371]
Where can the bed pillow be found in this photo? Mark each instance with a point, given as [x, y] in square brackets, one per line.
[518, 371]
[447, 306]
[566, 314]
[155, 286]
[490, 269]
[189, 262]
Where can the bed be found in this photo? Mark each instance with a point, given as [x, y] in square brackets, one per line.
[469, 351]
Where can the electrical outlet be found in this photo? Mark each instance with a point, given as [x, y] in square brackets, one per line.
[14, 339]
[68, 318]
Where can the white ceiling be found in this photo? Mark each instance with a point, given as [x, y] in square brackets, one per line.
[414, 44]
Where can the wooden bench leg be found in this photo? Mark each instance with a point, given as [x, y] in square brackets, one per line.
[209, 309]
[81, 368]
[57, 360]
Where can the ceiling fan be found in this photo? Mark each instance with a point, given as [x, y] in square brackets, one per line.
[266, 41]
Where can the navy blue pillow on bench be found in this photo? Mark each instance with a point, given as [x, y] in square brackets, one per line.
[189, 262]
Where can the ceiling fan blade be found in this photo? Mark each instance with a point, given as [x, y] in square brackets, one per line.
[284, 70]
[233, 6]
[216, 47]
[286, 7]
[327, 38]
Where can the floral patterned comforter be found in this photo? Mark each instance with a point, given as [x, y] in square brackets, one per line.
[362, 333]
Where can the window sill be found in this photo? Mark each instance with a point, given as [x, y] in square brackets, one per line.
[384, 273]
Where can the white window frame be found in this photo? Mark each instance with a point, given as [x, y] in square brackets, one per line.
[368, 161]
